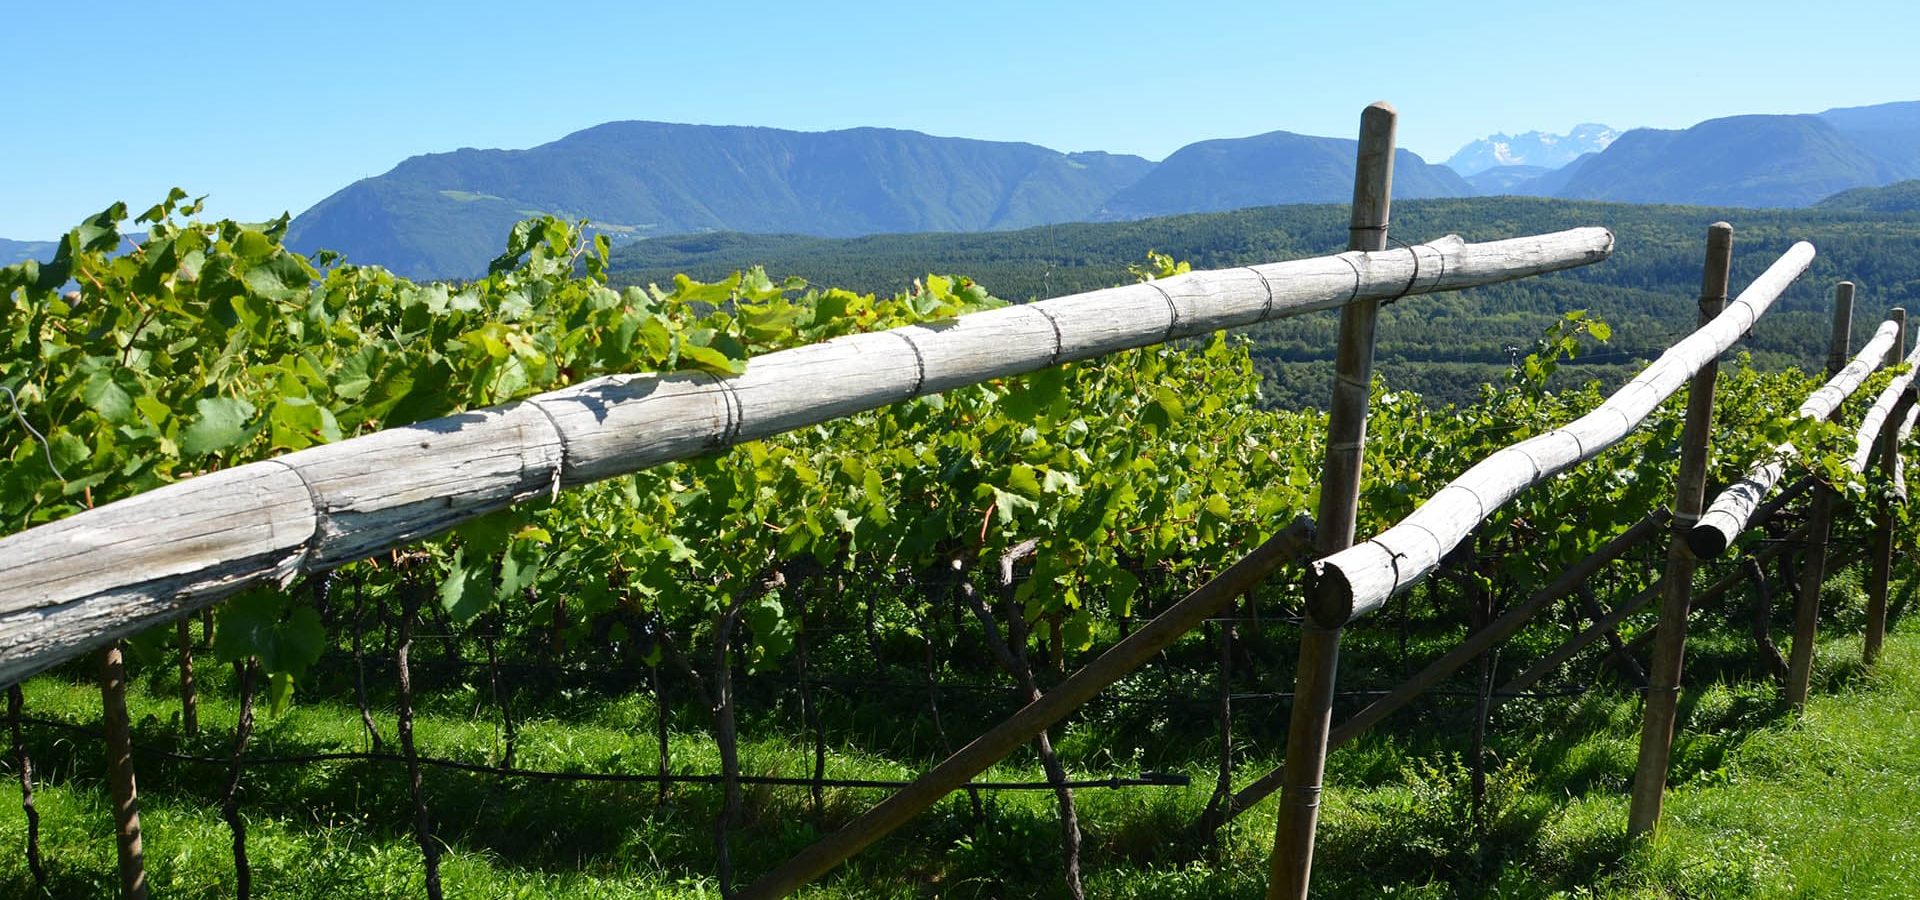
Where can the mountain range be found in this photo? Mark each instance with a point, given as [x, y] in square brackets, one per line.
[1533, 149]
[447, 214]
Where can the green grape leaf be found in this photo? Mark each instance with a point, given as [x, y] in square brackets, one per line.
[219, 423]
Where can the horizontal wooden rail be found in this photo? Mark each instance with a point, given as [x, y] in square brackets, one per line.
[83, 581]
[1867, 437]
[1360, 579]
[1727, 518]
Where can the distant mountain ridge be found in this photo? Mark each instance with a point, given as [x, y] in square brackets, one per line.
[1266, 170]
[20, 251]
[447, 214]
[1532, 148]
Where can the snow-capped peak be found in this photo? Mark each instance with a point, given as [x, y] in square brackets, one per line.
[1533, 148]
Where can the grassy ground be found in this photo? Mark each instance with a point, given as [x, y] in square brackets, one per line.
[1765, 804]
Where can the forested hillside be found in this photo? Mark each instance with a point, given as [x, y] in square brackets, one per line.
[1899, 197]
[1441, 346]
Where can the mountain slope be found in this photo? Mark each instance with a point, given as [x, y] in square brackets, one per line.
[1890, 131]
[1752, 161]
[1266, 169]
[445, 214]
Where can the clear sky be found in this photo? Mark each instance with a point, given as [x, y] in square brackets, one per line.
[268, 107]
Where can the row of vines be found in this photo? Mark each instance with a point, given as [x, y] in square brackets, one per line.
[1003, 531]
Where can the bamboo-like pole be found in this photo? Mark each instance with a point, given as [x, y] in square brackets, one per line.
[108, 572]
[1291, 866]
[1813, 573]
[1867, 438]
[1676, 598]
[120, 780]
[1359, 580]
[1466, 651]
[1019, 729]
[1727, 517]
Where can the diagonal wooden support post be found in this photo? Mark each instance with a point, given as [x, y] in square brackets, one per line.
[1813, 574]
[1690, 497]
[1292, 863]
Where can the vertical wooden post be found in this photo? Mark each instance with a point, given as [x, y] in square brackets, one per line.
[1880, 573]
[1806, 610]
[1292, 863]
[1676, 595]
[126, 799]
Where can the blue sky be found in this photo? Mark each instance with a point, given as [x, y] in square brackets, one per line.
[269, 107]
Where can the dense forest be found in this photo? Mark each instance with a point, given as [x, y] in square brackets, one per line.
[1441, 346]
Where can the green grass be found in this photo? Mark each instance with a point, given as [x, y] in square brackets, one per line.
[1764, 804]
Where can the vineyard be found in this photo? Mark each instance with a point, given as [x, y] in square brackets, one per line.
[535, 586]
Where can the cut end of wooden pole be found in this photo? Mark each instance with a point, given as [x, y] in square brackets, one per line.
[1330, 596]
[1381, 106]
[1707, 540]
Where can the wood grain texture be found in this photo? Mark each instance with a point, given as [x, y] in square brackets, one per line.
[1727, 518]
[78, 583]
[1359, 580]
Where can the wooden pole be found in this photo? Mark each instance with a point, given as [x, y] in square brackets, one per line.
[1663, 681]
[1806, 611]
[126, 798]
[1291, 866]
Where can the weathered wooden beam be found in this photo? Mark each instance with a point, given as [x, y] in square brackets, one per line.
[1726, 519]
[78, 583]
[1899, 459]
[1873, 431]
[1359, 580]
